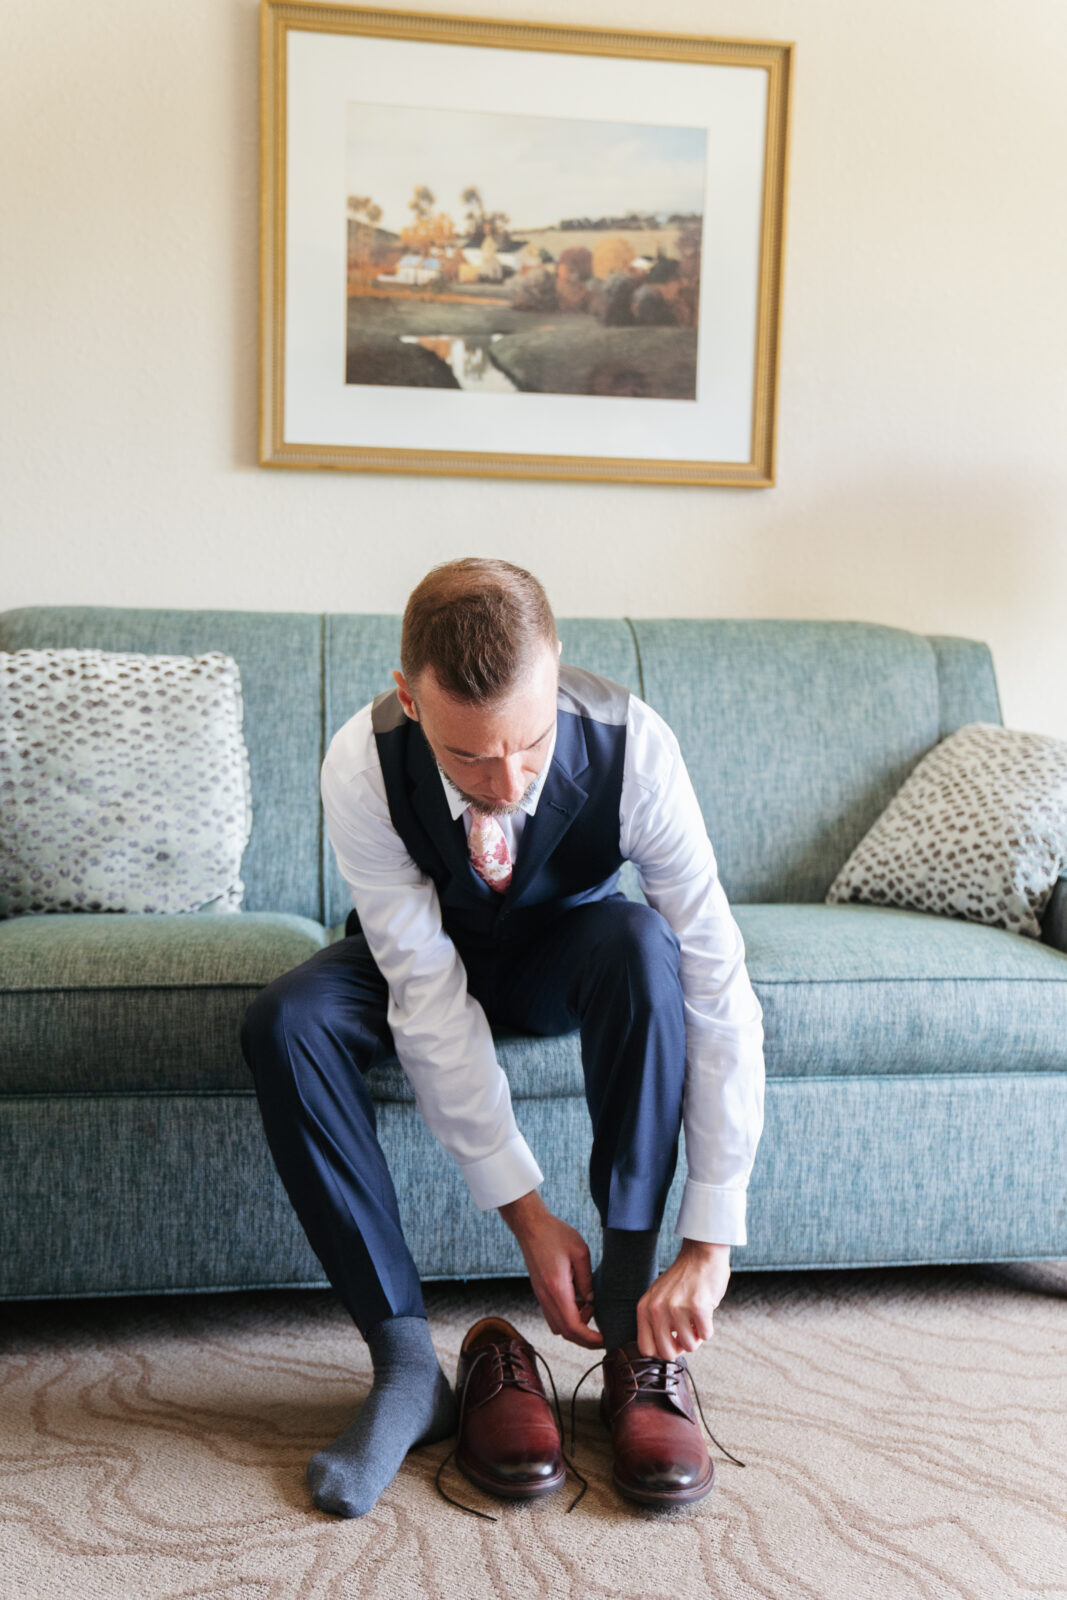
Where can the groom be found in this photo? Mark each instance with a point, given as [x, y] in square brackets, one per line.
[480, 812]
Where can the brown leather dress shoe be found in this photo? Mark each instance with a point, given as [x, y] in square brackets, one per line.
[509, 1442]
[660, 1455]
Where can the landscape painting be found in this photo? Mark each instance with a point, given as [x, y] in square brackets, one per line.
[509, 253]
[513, 249]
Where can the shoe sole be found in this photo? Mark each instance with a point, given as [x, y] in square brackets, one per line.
[664, 1497]
[508, 1491]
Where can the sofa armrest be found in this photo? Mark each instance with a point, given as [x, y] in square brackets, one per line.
[1054, 921]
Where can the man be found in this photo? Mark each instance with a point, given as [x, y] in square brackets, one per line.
[480, 812]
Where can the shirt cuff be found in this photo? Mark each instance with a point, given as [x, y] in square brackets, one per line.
[505, 1175]
[714, 1216]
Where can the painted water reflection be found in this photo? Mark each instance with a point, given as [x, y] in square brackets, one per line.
[468, 358]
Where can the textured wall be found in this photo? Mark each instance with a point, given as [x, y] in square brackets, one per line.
[923, 406]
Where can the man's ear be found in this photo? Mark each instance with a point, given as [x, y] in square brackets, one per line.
[405, 696]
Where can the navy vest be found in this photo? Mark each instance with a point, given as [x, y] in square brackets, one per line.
[569, 851]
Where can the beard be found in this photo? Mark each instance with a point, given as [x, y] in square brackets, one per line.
[492, 808]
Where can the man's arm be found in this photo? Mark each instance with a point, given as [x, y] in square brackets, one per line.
[443, 1041]
[663, 833]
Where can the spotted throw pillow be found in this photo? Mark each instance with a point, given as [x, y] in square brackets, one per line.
[978, 831]
[124, 782]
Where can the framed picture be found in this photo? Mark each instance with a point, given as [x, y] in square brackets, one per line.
[517, 250]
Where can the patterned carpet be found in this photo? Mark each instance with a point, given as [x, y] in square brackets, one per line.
[905, 1434]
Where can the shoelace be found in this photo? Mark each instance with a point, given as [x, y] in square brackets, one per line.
[655, 1376]
[510, 1374]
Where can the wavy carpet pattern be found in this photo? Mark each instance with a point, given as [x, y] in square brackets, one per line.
[905, 1434]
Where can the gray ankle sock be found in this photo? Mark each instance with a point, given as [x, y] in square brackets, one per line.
[410, 1403]
[627, 1267]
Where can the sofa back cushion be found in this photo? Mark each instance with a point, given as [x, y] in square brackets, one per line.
[797, 734]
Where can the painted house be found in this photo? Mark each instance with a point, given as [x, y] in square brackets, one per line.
[412, 268]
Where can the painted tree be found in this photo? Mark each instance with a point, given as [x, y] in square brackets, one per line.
[422, 202]
[363, 209]
[369, 247]
[429, 231]
[433, 232]
[481, 223]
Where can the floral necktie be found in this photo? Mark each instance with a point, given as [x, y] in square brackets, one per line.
[489, 850]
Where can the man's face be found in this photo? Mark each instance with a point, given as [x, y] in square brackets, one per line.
[492, 753]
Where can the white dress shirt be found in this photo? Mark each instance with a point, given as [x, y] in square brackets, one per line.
[443, 1041]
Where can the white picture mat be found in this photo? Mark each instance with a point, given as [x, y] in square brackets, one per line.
[326, 71]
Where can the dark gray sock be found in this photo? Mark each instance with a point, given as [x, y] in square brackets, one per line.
[627, 1267]
[410, 1403]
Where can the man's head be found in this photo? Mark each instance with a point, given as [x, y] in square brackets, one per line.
[480, 667]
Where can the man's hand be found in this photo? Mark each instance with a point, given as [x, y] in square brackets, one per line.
[557, 1259]
[675, 1314]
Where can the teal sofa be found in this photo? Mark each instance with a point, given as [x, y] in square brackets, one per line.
[917, 1066]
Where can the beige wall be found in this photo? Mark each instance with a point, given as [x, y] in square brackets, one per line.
[922, 464]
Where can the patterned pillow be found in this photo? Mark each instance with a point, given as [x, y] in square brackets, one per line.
[124, 782]
[978, 831]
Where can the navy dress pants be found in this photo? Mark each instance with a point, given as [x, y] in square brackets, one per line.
[608, 968]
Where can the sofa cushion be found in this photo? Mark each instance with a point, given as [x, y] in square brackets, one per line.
[853, 989]
[124, 782]
[147, 1003]
[978, 831]
[122, 1003]
[858, 989]
[119, 1004]
[280, 658]
[537, 1069]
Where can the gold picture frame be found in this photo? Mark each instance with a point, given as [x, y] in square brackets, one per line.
[685, 355]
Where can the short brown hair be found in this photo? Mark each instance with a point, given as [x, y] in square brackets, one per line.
[477, 623]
